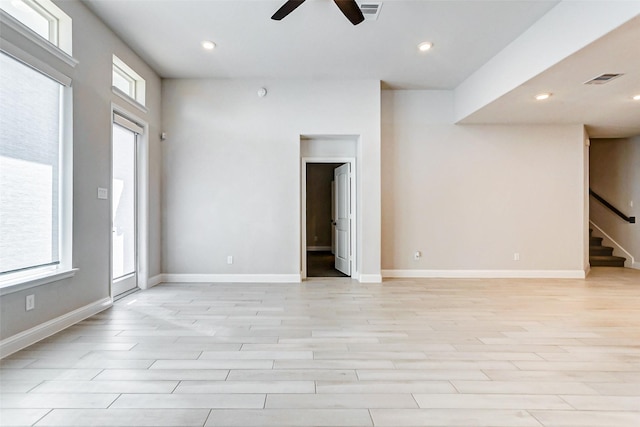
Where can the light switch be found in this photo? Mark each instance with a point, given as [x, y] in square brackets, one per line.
[103, 193]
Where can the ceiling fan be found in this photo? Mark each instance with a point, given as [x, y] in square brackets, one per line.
[349, 8]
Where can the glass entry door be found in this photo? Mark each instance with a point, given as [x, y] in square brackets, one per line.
[124, 257]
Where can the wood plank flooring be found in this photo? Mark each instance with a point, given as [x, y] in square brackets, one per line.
[334, 352]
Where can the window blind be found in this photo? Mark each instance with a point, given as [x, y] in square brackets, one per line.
[30, 128]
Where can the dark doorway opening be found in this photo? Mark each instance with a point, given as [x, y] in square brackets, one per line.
[320, 245]
[322, 264]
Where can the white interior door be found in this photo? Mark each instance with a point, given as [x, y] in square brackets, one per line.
[342, 203]
[333, 216]
[123, 193]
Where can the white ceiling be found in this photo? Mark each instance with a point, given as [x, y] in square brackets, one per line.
[316, 41]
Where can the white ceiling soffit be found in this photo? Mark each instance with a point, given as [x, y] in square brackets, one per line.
[607, 110]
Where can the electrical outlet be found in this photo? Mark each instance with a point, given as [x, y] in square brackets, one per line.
[103, 193]
[230, 259]
[516, 256]
[30, 302]
[417, 255]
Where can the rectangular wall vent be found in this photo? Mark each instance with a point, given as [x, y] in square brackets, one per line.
[371, 10]
[602, 79]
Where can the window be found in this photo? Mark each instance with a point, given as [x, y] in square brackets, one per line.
[43, 18]
[123, 81]
[30, 167]
[128, 82]
[35, 150]
[34, 17]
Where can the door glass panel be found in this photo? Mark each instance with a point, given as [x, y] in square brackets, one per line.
[124, 206]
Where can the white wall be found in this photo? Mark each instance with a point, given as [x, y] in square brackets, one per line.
[232, 171]
[469, 197]
[615, 175]
[93, 46]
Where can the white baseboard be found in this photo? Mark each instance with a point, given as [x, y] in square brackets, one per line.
[370, 278]
[155, 280]
[486, 274]
[318, 248]
[231, 278]
[31, 336]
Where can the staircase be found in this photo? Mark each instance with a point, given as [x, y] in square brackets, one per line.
[602, 256]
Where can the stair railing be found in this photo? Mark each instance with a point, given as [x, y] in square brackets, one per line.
[629, 219]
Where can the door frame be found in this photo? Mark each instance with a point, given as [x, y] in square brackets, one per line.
[142, 197]
[303, 210]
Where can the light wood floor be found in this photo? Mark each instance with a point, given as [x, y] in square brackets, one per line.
[333, 352]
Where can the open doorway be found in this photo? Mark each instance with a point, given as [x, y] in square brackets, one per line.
[321, 224]
[328, 220]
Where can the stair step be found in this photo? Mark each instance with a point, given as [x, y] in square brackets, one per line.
[600, 250]
[606, 261]
[595, 241]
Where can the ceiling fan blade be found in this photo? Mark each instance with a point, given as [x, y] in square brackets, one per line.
[286, 9]
[351, 10]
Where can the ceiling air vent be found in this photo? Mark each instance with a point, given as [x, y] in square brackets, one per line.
[370, 10]
[602, 79]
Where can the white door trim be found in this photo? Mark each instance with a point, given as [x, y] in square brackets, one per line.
[303, 209]
[142, 211]
[342, 218]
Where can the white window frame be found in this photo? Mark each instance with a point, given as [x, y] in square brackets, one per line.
[137, 85]
[46, 62]
[54, 21]
[60, 25]
[131, 91]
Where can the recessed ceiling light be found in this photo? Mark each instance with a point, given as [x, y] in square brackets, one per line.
[636, 98]
[425, 46]
[543, 96]
[208, 45]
